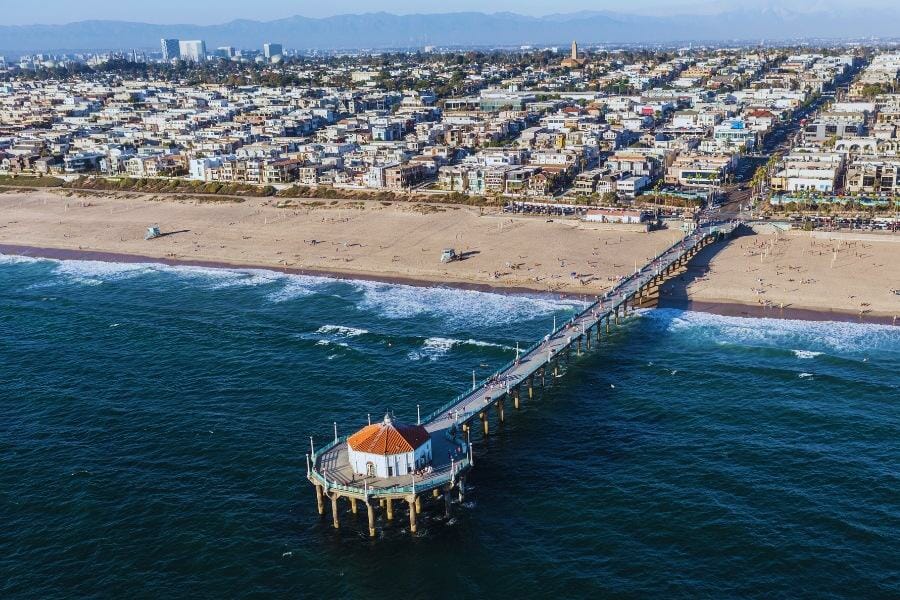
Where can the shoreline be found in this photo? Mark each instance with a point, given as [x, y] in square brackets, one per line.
[723, 308]
[122, 257]
[788, 313]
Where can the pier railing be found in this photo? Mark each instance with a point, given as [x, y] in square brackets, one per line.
[522, 354]
[435, 479]
[319, 452]
[686, 242]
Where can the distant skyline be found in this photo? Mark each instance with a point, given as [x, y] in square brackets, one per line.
[209, 12]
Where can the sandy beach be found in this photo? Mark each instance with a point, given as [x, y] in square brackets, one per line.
[351, 238]
[788, 274]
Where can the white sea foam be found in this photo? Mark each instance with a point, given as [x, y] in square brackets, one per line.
[297, 286]
[433, 349]
[341, 331]
[333, 335]
[484, 344]
[12, 259]
[815, 337]
[436, 347]
[332, 343]
[94, 272]
[455, 305]
[230, 278]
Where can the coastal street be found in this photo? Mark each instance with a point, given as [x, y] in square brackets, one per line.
[778, 141]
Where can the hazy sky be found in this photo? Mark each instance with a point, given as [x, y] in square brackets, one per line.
[19, 12]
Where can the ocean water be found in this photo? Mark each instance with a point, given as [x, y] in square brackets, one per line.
[154, 423]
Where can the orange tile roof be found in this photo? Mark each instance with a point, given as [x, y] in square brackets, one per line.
[387, 438]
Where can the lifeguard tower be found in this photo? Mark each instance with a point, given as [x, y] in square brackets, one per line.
[152, 232]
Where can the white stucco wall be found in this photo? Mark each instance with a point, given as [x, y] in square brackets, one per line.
[400, 464]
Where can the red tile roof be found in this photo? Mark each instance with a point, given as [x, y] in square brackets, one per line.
[387, 438]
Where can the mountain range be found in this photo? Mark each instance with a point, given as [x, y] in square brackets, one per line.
[465, 29]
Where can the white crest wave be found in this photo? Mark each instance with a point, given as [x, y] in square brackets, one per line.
[341, 330]
[457, 306]
[814, 337]
[435, 347]
[13, 259]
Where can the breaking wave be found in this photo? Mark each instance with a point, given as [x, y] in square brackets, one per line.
[435, 347]
[457, 306]
[341, 330]
[814, 337]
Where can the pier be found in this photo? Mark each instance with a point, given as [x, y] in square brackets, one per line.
[453, 425]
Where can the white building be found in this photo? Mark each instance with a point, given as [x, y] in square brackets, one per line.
[615, 215]
[630, 186]
[734, 134]
[199, 167]
[389, 449]
[192, 50]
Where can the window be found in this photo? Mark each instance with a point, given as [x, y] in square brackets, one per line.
[370, 469]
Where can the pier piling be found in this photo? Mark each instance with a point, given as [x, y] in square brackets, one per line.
[320, 501]
[371, 510]
[335, 519]
[412, 514]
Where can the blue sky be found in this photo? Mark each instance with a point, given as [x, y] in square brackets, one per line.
[204, 12]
